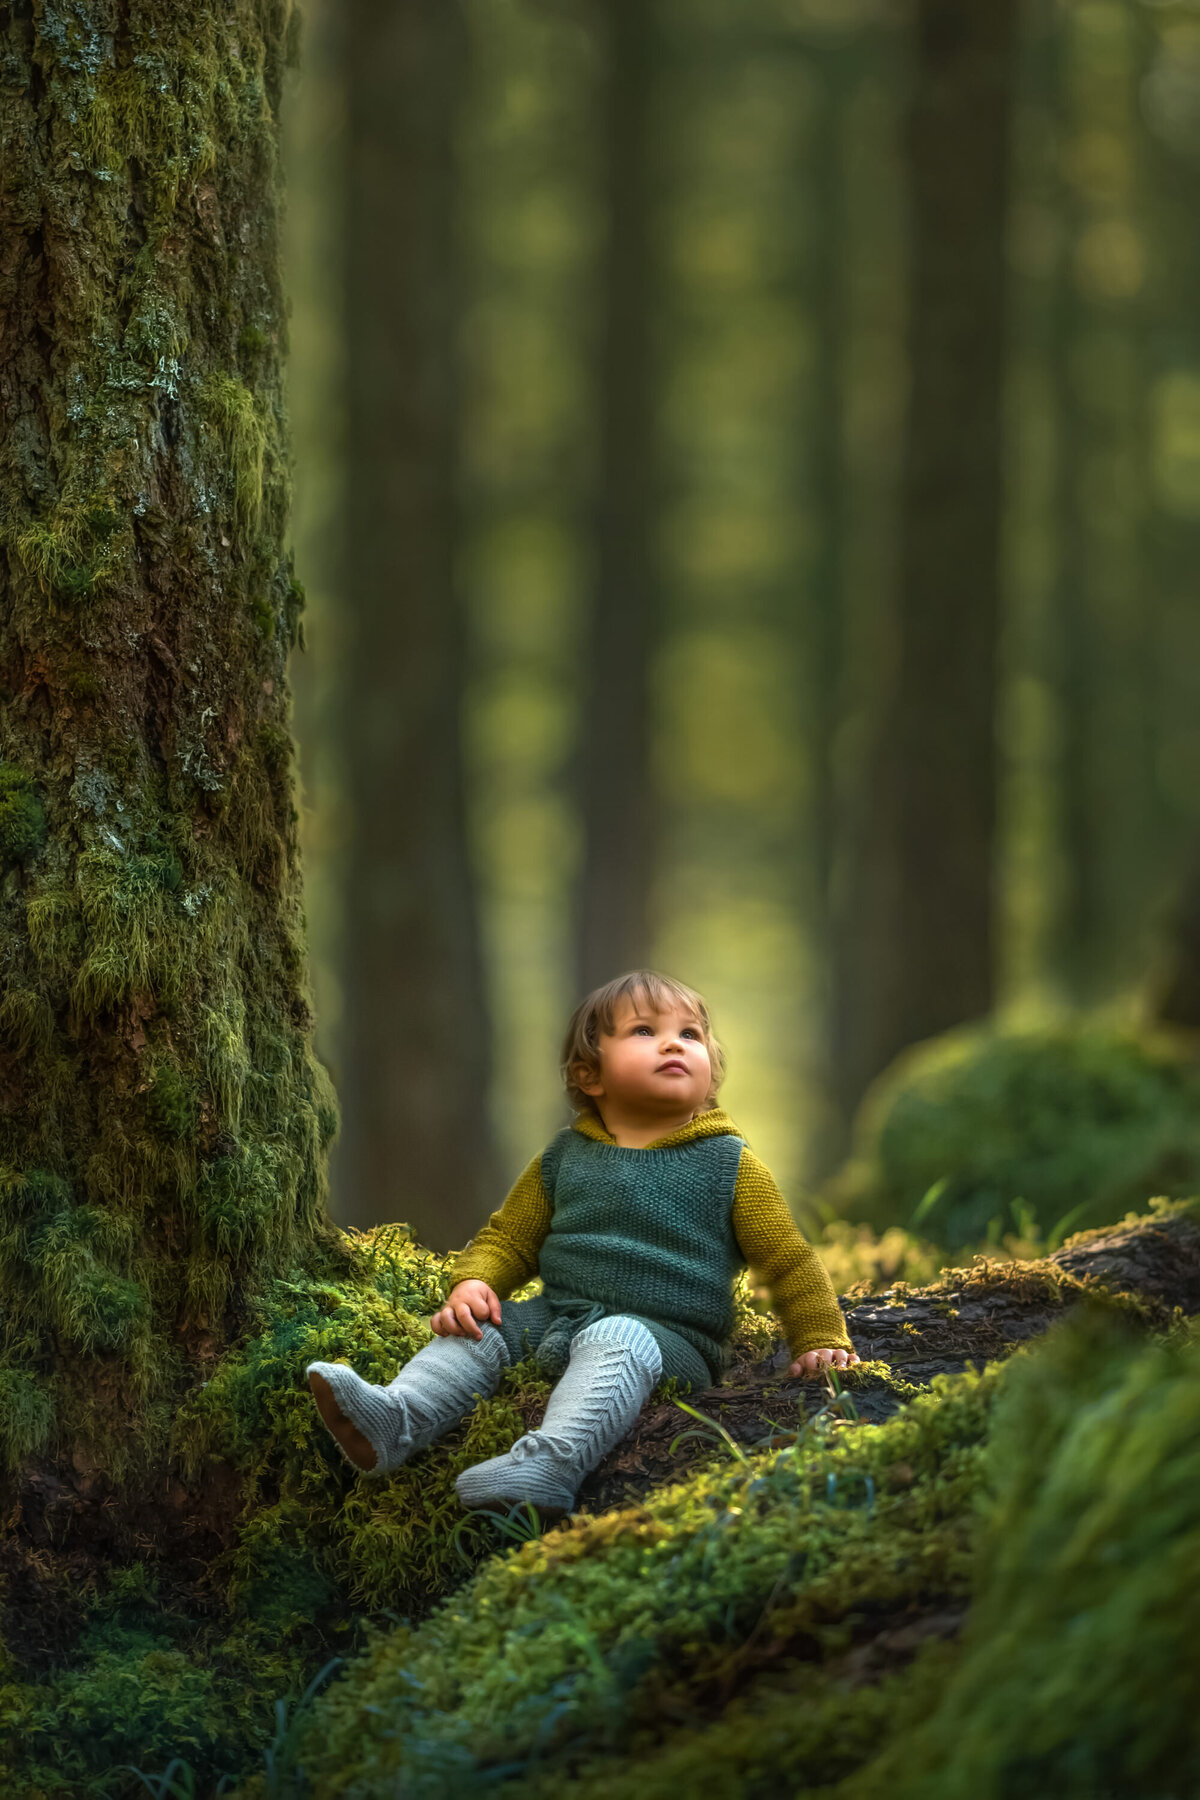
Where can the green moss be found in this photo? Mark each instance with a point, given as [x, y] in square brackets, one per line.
[65, 1267]
[172, 1103]
[22, 816]
[599, 1659]
[147, 1687]
[55, 933]
[588, 1640]
[244, 437]
[395, 1544]
[79, 549]
[263, 614]
[26, 1020]
[980, 1134]
[133, 940]
[1074, 1677]
[793, 1733]
[238, 1198]
[90, 1302]
[167, 111]
[157, 865]
[276, 748]
[26, 1415]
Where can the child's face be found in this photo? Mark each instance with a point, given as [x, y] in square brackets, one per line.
[653, 1061]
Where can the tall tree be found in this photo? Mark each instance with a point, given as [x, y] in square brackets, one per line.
[617, 787]
[313, 146]
[1106, 612]
[415, 1051]
[923, 910]
[163, 1121]
[824, 621]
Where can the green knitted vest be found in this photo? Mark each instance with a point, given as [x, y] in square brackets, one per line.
[646, 1232]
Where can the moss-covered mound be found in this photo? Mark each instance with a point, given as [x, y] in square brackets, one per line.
[787, 1625]
[979, 1134]
[593, 1639]
[779, 1617]
[175, 1635]
[1078, 1674]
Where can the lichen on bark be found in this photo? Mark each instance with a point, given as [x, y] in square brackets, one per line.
[163, 1119]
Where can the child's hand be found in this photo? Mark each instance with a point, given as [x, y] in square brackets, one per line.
[815, 1362]
[469, 1301]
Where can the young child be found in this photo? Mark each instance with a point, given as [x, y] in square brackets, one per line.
[637, 1217]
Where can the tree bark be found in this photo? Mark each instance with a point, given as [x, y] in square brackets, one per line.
[163, 1120]
[616, 772]
[923, 939]
[415, 1042]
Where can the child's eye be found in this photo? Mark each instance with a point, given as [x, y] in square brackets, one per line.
[690, 1031]
[642, 1030]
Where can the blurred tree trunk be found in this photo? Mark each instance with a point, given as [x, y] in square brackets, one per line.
[616, 775]
[163, 1121]
[921, 928]
[1172, 153]
[314, 258]
[1107, 613]
[827, 627]
[1178, 1000]
[415, 1037]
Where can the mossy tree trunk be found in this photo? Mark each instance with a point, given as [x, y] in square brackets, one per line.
[415, 1051]
[616, 772]
[924, 933]
[163, 1121]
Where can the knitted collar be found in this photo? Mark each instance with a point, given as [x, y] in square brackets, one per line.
[713, 1123]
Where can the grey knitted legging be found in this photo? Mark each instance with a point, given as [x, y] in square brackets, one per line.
[613, 1368]
[433, 1391]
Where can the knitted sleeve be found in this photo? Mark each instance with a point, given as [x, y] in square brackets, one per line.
[505, 1252]
[770, 1240]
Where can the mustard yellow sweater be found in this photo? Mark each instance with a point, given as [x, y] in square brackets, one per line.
[505, 1252]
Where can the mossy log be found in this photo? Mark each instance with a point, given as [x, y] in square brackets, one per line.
[1149, 1266]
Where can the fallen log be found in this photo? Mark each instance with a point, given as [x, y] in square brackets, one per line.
[1148, 1265]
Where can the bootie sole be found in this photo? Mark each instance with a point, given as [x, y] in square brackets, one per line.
[354, 1444]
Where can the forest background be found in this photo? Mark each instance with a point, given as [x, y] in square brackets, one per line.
[747, 483]
[747, 467]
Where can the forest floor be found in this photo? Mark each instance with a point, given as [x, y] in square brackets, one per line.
[162, 1629]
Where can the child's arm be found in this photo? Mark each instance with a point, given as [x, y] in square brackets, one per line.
[801, 1292]
[499, 1258]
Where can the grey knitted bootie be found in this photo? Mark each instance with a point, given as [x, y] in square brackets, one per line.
[379, 1428]
[614, 1365]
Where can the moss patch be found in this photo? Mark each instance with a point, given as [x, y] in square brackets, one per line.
[22, 816]
[982, 1134]
[591, 1639]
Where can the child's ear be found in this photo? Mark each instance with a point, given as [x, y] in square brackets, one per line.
[587, 1080]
